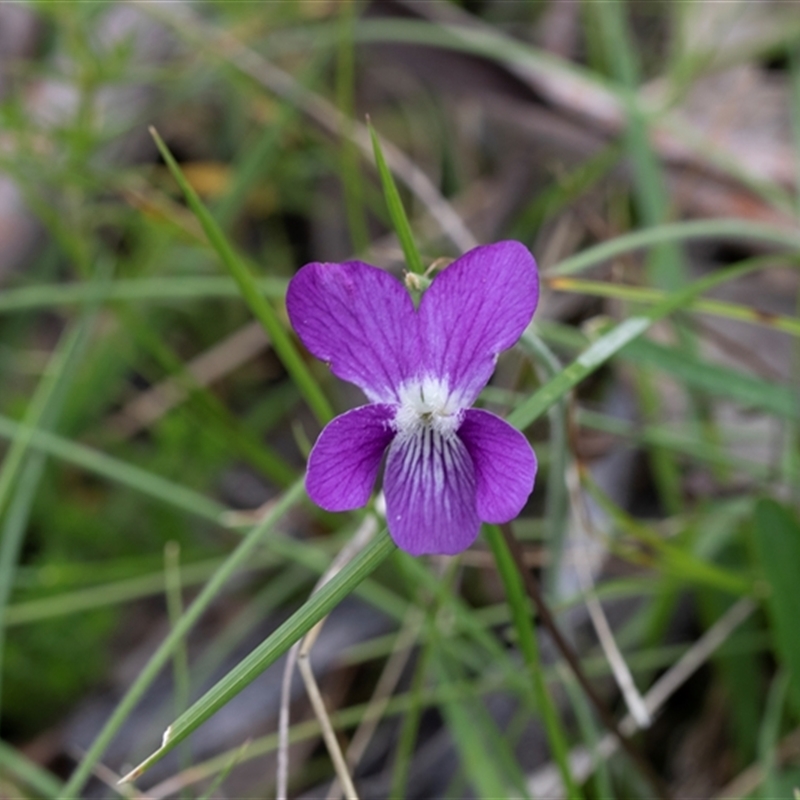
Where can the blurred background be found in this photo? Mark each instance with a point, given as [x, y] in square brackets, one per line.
[159, 403]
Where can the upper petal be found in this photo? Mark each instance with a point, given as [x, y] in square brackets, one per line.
[358, 318]
[430, 493]
[505, 464]
[344, 461]
[474, 309]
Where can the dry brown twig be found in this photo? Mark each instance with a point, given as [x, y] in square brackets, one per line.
[299, 655]
[390, 677]
[546, 782]
[619, 667]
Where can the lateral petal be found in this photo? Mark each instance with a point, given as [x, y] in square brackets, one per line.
[359, 319]
[429, 485]
[504, 461]
[473, 310]
[345, 460]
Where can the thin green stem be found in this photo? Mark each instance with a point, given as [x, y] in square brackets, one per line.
[410, 725]
[557, 499]
[518, 604]
[173, 587]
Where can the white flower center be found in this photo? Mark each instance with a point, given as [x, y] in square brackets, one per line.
[427, 404]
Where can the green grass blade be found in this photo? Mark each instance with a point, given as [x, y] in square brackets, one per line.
[777, 540]
[197, 287]
[769, 735]
[666, 266]
[609, 345]
[248, 286]
[591, 359]
[173, 588]
[409, 728]
[181, 678]
[212, 415]
[113, 469]
[154, 290]
[732, 384]
[14, 763]
[212, 787]
[396, 211]
[21, 471]
[523, 625]
[676, 561]
[591, 734]
[237, 559]
[317, 606]
[557, 499]
[113, 593]
[646, 296]
[740, 673]
[38, 408]
[475, 737]
[733, 229]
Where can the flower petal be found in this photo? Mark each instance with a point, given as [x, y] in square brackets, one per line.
[358, 318]
[344, 461]
[430, 493]
[474, 309]
[504, 462]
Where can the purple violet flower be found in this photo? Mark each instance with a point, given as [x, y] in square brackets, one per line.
[449, 466]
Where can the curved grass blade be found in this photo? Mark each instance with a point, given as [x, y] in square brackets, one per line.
[122, 591]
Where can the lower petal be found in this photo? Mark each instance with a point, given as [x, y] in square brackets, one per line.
[505, 465]
[430, 493]
[345, 460]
